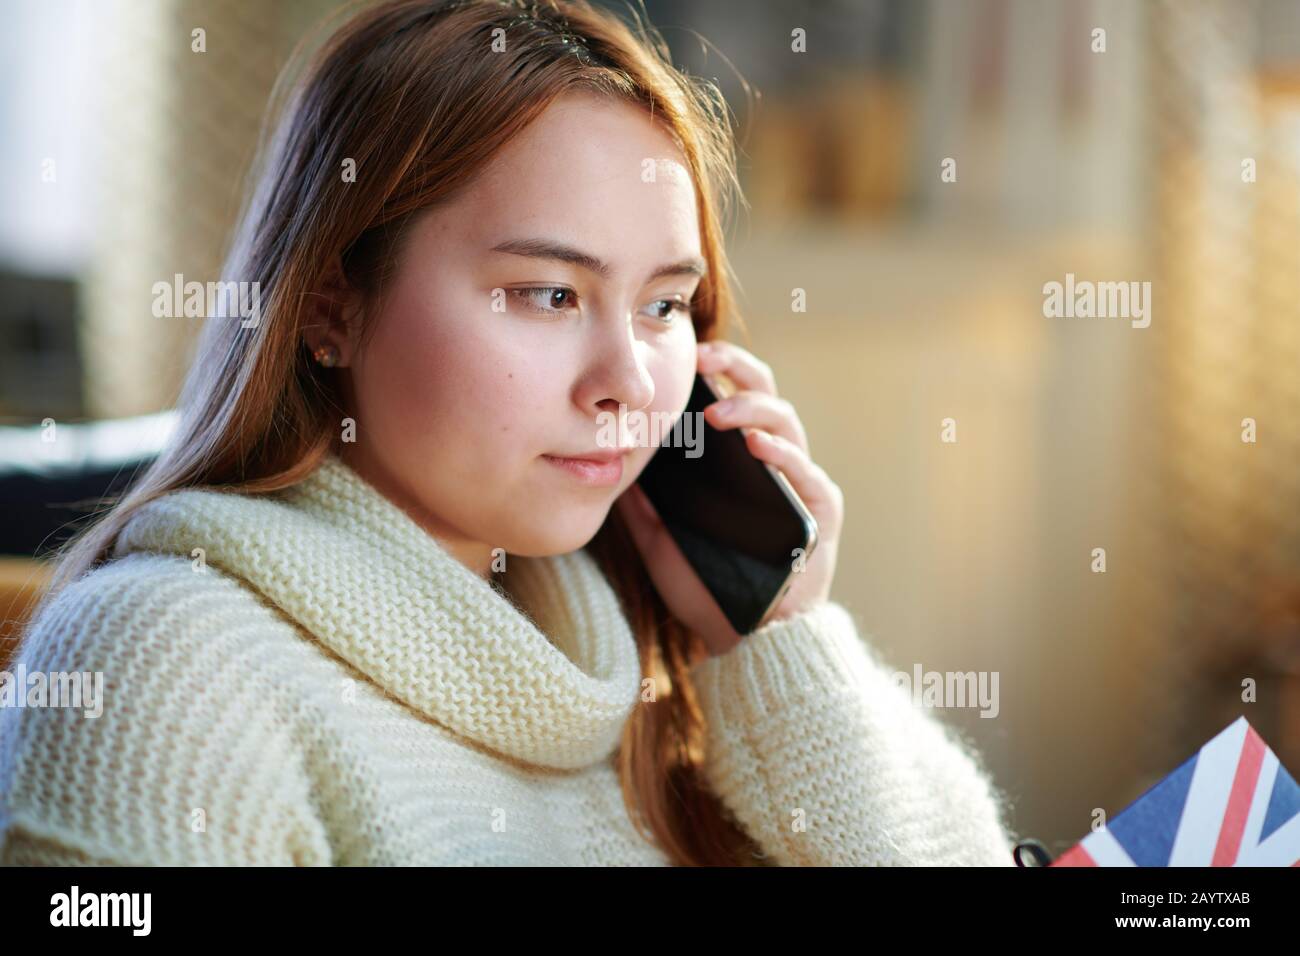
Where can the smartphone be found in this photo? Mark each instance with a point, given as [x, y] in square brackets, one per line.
[737, 520]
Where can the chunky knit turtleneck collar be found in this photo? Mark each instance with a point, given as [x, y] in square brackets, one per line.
[552, 686]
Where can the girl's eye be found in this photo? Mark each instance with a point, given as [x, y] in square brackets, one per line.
[547, 298]
[557, 299]
[668, 310]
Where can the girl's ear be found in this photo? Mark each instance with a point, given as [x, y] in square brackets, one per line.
[334, 320]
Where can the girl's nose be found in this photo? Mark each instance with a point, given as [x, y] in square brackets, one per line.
[620, 375]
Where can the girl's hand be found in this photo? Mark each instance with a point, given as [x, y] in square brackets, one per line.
[773, 434]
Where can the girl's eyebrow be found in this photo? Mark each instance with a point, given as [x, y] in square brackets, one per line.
[558, 251]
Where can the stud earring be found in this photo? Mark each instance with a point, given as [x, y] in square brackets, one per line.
[327, 355]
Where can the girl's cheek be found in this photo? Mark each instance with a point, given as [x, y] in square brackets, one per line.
[404, 379]
[488, 393]
[674, 375]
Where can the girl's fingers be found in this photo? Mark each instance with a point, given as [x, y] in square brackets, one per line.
[809, 480]
[743, 368]
[758, 410]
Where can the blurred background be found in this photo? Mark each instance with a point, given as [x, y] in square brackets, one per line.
[1169, 155]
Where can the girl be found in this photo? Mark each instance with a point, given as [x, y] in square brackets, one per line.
[383, 599]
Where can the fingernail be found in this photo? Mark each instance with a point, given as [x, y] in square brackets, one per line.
[723, 409]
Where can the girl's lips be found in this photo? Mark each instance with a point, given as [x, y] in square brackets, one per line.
[589, 471]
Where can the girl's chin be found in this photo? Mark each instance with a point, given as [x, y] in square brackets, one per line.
[558, 536]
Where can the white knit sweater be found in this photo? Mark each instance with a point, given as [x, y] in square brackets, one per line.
[324, 684]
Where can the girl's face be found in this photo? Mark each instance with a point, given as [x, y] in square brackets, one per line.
[522, 316]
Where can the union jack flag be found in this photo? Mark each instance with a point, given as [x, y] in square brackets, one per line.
[1231, 804]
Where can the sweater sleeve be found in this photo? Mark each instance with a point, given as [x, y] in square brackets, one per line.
[189, 760]
[825, 760]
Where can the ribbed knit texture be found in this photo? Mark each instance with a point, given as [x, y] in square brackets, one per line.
[324, 684]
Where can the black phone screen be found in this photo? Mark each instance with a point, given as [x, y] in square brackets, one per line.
[731, 518]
